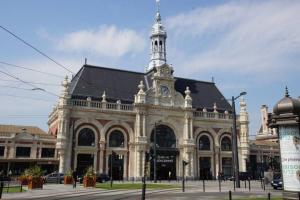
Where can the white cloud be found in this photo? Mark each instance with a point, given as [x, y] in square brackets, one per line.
[105, 41]
[242, 36]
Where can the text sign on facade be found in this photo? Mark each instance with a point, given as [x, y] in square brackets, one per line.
[290, 157]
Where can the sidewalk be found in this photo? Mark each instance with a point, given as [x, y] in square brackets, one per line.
[211, 187]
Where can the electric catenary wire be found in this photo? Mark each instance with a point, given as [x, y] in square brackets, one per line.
[30, 69]
[34, 87]
[36, 49]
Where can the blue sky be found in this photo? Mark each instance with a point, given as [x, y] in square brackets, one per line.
[251, 46]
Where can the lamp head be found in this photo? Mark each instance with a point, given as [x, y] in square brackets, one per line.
[243, 93]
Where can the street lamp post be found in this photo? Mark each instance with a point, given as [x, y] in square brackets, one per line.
[234, 142]
[155, 155]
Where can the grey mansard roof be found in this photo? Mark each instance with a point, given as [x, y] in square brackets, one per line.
[118, 84]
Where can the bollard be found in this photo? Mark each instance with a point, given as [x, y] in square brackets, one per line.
[269, 196]
[245, 184]
[203, 185]
[143, 189]
[1, 189]
[183, 185]
[230, 196]
[219, 185]
[233, 184]
[249, 184]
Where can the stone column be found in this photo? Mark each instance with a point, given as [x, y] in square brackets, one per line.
[62, 159]
[286, 119]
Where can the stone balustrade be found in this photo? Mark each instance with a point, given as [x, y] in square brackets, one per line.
[130, 107]
[213, 115]
[100, 105]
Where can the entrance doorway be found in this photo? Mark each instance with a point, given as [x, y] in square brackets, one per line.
[117, 166]
[166, 153]
[84, 161]
[227, 167]
[205, 168]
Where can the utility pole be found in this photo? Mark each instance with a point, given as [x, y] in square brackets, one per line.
[235, 148]
[155, 156]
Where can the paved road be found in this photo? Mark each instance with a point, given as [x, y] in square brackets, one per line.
[194, 190]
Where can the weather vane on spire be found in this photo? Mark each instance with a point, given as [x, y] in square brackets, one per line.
[157, 3]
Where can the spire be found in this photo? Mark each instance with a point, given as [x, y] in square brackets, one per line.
[158, 17]
[286, 92]
[158, 38]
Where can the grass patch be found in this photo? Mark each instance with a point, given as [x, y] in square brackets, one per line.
[13, 189]
[259, 198]
[133, 186]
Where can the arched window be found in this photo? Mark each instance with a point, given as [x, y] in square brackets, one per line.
[160, 45]
[116, 139]
[155, 45]
[226, 144]
[165, 137]
[204, 143]
[86, 137]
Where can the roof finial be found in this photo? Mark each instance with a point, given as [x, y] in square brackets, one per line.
[286, 92]
[158, 18]
[157, 4]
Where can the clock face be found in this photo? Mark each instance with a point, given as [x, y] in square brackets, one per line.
[164, 90]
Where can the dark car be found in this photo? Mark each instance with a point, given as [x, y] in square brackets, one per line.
[54, 178]
[277, 183]
[102, 178]
[242, 175]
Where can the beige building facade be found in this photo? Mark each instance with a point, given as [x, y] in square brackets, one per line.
[104, 110]
[25, 146]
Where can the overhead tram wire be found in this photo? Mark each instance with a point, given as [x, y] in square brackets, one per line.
[22, 97]
[12, 76]
[45, 55]
[36, 49]
[39, 83]
[13, 87]
[30, 69]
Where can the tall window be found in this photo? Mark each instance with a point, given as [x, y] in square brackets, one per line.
[165, 137]
[116, 139]
[86, 137]
[48, 152]
[23, 152]
[226, 144]
[204, 143]
[1, 150]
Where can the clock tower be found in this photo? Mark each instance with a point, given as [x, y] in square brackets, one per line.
[158, 38]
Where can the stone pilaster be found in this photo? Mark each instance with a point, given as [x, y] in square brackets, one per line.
[244, 134]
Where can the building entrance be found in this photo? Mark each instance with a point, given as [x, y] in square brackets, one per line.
[166, 153]
[205, 168]
[117, 166]
[227, 167]
[84, 161]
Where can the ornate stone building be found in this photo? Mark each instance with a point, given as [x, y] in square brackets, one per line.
[104, 110]
[264, 149]
[24, 146]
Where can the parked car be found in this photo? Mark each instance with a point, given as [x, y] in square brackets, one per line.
[102, 178]
[242, 175]
[54, 177]
[277, 182]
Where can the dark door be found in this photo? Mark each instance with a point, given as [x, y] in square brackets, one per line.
[117, 167]
[227, 167]
[84, 161]
[205, 168]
